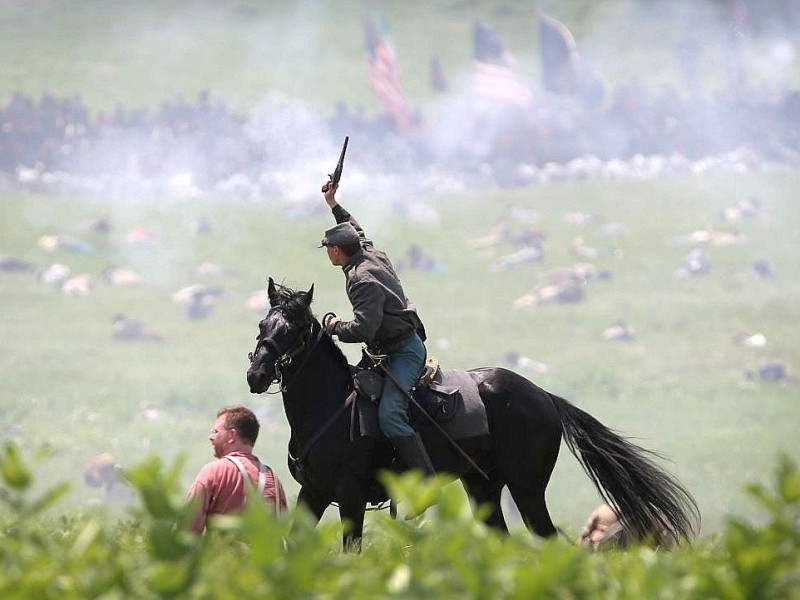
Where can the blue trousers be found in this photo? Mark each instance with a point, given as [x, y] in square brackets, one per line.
[406, 365]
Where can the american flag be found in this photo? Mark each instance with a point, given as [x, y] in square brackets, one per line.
[494, 73]
[384, 78]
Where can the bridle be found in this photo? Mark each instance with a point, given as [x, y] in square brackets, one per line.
[302, 346]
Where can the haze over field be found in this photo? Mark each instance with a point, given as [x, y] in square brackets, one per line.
[241, 100]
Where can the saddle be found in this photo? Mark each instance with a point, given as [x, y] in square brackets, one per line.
[436, 398]
[449, 397]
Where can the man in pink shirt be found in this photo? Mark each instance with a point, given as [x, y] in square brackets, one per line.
[221, 484]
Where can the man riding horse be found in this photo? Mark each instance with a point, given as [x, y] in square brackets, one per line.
[516, 442]
[384, 320]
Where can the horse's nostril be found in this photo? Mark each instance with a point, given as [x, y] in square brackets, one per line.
[251, 379]
[257, 381]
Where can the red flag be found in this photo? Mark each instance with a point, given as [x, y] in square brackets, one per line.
[494, 73]
[384, 78]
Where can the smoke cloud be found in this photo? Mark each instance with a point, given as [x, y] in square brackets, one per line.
[722, 89]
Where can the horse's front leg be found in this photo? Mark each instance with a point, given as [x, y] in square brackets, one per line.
[313, 502]
[352, 507]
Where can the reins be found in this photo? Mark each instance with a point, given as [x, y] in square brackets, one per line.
[288, 358]
[349, 401]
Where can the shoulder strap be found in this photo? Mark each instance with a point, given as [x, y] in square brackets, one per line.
[276, 483]
[262, 479]
[240, 466]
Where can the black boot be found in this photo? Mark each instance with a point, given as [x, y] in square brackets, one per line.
[413, 454]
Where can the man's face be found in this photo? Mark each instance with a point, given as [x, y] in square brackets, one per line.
[335, 255]
[221, 437]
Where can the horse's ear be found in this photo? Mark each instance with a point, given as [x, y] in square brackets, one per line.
[271, 293]
[310, 295]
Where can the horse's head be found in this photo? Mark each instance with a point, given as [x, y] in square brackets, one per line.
[283, 335]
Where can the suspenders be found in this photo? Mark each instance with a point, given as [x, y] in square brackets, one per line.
[262, 473]
[262, 480]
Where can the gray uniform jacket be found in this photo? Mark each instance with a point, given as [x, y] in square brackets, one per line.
[383, 317]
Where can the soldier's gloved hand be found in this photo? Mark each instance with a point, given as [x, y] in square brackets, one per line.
[329, 322]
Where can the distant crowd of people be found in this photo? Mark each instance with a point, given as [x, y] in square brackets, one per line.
[206, 138]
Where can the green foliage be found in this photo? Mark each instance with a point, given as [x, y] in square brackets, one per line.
[764, 560]
[14, 472]
[17, 478]
[444, 554]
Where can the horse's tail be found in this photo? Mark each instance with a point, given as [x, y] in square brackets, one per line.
[650, 502]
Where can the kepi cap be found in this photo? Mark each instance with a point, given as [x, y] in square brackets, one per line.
[343, 234]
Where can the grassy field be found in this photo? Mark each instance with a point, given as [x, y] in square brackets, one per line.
[679, 387]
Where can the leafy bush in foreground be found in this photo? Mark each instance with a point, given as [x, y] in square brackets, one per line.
[150, 554]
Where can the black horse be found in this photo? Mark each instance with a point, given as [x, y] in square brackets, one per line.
[334, 464]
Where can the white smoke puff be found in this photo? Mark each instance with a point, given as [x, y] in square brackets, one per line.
[290, 132]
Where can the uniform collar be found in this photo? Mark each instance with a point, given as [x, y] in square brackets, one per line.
[354, 260]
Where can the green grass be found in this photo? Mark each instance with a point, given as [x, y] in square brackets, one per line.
[678, 389]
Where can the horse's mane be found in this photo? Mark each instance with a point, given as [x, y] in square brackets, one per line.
[296, 308]
[293, 305]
